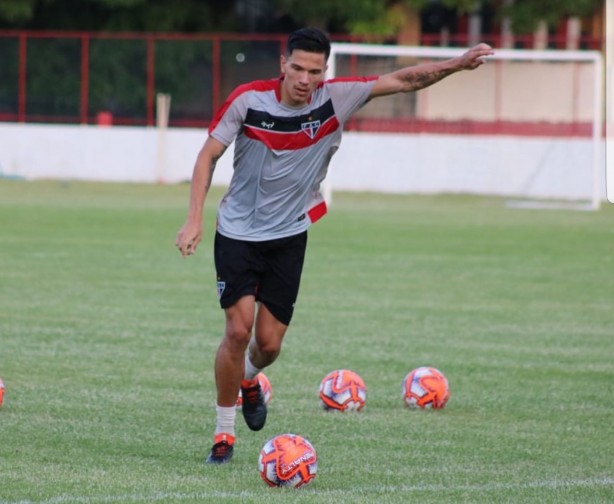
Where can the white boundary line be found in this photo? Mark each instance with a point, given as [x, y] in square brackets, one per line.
[554, 484]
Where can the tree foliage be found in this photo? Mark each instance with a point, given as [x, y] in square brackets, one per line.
[526, 14]
[348, 16]
[377, 16]
[115, 15]
[16, 11]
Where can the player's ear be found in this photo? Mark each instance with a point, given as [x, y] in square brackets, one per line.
[282, 63]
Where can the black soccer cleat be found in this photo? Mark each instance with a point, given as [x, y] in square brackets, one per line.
[220, 453]
[254, 408]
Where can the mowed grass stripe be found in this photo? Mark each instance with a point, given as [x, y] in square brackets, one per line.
[357, 492]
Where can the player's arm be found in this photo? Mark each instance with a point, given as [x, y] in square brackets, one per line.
[417, 77]
[190, 234]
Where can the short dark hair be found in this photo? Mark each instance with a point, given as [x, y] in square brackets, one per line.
[310, 40]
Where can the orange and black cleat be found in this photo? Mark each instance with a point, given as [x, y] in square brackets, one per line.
[222, 450]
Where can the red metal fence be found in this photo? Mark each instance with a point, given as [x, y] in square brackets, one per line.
[83, 77]
[74, 77]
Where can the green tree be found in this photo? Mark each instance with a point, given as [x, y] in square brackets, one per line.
[356, 16]
[116, 15]
[16, 11]
[526, 14]
[377, 16]
[353, 16]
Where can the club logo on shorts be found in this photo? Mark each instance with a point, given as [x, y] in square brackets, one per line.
[311, 128]
[220, 288]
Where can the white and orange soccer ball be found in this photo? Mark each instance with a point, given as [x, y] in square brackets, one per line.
[265, 385]
[426, 388]
[288, 460]
[343, 390]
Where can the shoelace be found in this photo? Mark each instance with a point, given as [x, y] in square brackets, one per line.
[252, 395]
[220, 449]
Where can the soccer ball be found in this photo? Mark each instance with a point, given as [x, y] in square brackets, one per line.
[265, 385]
[425, 387]
[288, 460]
[1, 391]
[343, 390]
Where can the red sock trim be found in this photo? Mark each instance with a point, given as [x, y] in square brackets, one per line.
[249, 383]
[224, 437]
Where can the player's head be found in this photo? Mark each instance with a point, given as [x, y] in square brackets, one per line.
[309, 40]
[303, 65]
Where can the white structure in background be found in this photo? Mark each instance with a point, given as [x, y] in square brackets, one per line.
[609, 91]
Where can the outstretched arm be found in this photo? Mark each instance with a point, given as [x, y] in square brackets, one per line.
[190, 234]
[417, 77]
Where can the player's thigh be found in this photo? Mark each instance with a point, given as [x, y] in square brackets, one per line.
[239, 267]
[281, 280]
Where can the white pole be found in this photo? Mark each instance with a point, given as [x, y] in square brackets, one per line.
[163, 108]
[597, 133]
[609, 93]
[327, 187]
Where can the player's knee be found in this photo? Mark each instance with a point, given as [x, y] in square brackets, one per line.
[238, 333]
[269, 348]
[271, 354]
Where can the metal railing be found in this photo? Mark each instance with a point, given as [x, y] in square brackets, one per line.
[82, 77]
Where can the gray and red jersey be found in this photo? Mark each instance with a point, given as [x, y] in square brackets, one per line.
[281, 155]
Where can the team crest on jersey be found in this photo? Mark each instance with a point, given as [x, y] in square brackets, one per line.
[311, 128]
[220, 288]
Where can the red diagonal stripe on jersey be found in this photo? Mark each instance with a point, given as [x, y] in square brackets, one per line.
[290, 141]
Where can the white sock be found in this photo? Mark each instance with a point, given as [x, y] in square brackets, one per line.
[225, 420]
[250, 370]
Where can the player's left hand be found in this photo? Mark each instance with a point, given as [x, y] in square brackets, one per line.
[474, 57]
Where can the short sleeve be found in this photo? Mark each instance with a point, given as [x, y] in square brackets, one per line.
[349, 94]
[228, 121]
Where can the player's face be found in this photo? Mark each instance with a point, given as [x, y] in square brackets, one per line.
[303, 72]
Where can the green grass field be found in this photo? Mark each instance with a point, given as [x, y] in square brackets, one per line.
[107, 339]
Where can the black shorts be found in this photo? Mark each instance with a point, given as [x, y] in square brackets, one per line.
[269, 270]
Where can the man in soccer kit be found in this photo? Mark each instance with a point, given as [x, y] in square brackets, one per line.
[286, 131]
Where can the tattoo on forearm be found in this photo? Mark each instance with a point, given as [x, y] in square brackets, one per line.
[423, 78]
[213, 163]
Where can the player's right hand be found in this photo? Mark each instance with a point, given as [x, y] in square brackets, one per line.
[188, 238]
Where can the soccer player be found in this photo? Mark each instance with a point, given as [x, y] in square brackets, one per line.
[285, 131]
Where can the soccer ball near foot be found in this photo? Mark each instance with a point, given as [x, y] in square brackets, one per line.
[425, 387]
[288, 460]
